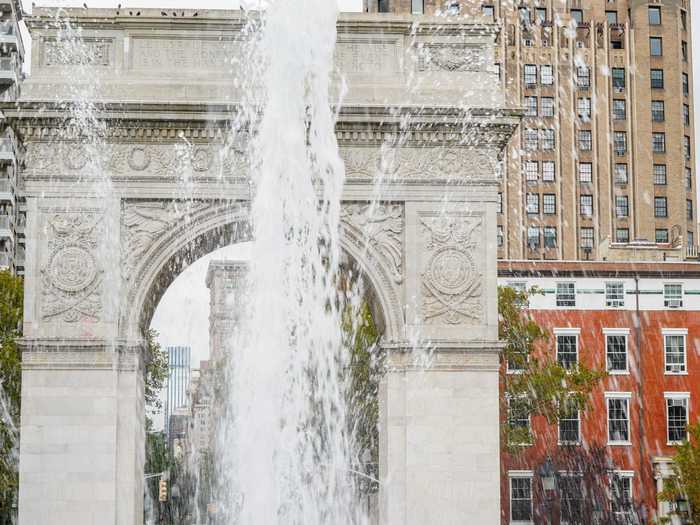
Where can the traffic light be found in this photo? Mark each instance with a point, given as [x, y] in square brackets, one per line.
[163, 490]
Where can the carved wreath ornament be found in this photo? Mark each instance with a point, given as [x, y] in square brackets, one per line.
[72, 279]
[451, 279]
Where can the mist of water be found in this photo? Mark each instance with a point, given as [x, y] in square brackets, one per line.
[289, 450]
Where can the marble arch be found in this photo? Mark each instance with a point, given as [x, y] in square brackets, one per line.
[96, 264]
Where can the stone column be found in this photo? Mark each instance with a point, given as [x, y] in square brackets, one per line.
[82, 426]
[439, 401]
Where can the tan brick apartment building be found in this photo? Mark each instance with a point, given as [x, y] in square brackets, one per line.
[602, 167]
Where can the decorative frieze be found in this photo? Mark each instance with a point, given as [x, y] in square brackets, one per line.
[453, 58]
[77, 52]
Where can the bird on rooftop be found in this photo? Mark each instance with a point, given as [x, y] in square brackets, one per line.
[138, 13]
[195, 13]
[85, 5]
[163, 13]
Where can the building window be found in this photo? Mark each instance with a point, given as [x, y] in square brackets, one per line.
[612, 17]
[622, 208]
[569, 423]
[577, 15]
[684, 20]
[616, 352]
[658, 142]
[587, 238]
[583, 77]
[548, 141]
[618, 417]
[621, 496]
[584, 108]
[530, 137]
[519, 419]
[654, 15]
[686, 84]
[531, 170]
[586, 205]
[572, 497]
[676, 418]
[566, 294]
[622, 235]
[500, 202]
[548, 171]
[499, 236]
[533, 237]
[620, 143]
[660, 174]
[541, 14]
[417, 8]
[383, 6]
[689, 209]
[532, 203]
[689, 236]
[549, 203]
[655, 46]
[521, 499]
[660, 208]
[530, 75]
[550, 237]
[674, 353]
[657, 111]
[547, 106]
[621, 175]
[688, 179]
[567, 350]
[546, 75]
[618, 78]
[453, 8]
[673, 295]
[686, 115]
[585, 172]
[585, 140]
[657, 78]
[530, 106]
[684, 50]
[661, 236]
[619, 109]
[686, 147]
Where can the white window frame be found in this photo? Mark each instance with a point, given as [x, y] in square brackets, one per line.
[556, 298]
[520, 474]
[585, 176]
[546, 176]
[625, 332]
[676, 332]
[628, 474]
[546, 75]
[618, 395]
[684, 396]
[614, 303]
[579, 440]
[532, 170]
[678, 303]
[576, 332]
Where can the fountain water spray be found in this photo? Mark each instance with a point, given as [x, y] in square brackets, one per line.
[289, 449]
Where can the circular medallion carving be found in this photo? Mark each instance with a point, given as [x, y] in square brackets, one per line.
[75, 157]
[451, 271]
[72, 269]
[139, 158]
[201, 159]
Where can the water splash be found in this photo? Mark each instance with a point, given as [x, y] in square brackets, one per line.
[289, 449]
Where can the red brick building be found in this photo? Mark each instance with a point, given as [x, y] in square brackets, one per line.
[641, 323]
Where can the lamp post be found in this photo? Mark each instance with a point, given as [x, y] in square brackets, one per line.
[548, 477]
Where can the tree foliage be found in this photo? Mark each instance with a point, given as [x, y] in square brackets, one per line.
[685, 482]
[542, 387]
[11, 308]
[156, 371]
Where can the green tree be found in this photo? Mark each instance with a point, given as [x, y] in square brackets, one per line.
[156, 371]
[542, 387]
[11, 307]
[684, 485]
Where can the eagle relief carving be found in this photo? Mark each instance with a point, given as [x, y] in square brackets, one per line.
[451, 278]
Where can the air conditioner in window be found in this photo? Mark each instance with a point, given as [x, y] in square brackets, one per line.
[675, 369]
[674, 303]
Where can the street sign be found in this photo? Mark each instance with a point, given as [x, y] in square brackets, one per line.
[163, 490]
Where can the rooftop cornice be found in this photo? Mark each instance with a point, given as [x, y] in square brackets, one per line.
[216, 20]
